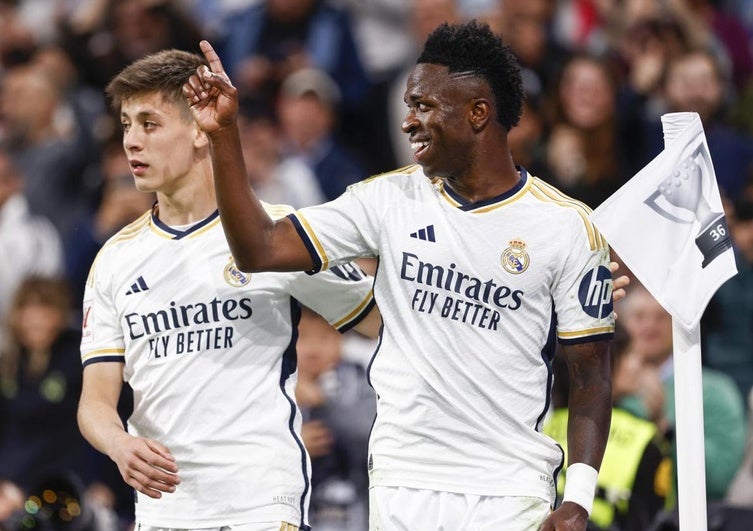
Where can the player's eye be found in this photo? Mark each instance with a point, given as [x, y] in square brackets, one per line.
[126, 126]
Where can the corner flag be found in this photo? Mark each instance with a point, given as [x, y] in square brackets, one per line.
[668, 225]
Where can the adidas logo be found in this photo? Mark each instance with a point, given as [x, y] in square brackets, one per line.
[426, 234]
[138, 286]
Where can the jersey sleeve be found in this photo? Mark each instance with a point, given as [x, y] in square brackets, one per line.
[583, 292]
[341, 230]
[101, 334]
[342, 294]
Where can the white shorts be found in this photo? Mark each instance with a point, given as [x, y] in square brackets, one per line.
[256, 526]
[404, 509]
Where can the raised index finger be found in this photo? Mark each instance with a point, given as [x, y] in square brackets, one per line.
[215, 65]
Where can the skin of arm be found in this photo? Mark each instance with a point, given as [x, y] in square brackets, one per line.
[590, 413]
[256, 241]
[146, 465]
[370, 325]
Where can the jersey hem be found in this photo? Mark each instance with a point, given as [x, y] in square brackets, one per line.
[310, 242]
[118, 359]
[586, 339]
[253, 517]
[439, 486]
[359, 317]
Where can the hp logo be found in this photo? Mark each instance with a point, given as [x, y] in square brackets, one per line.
[595, 292]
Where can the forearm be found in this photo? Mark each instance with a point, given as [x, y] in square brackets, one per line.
[256, 241]
[590, 407]
[370, 325]
[247, 226]
[100, 424]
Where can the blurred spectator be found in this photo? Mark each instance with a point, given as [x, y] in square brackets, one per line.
[726, 334]
[273, 38]
[635, 474]
[732, 40]
[526, 26]
[52, 154]
[740, 213]
[270, 40]
[650, 329]
[30, 243]
[645, 48]
[308, 113]
[40, 383]
[276, 179]
[580, 25]
[103, 36]
[11, 500]
[212, 16]
[17, 41]
[382, 33]
[338, 408]
[526, 140]
[121, 204]
[82, 105]
[695, 82]
[740, 493]
[585, 155]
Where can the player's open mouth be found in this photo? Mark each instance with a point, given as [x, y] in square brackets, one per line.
[418, 148]
[138, 167]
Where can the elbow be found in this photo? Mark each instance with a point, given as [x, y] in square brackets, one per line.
[247, 265]
[80, 420]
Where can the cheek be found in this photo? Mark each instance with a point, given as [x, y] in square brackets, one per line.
[176, 162]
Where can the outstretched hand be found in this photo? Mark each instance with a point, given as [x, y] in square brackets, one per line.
[211, 96]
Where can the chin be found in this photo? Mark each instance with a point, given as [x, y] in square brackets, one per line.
[143, 185]
[431, 170]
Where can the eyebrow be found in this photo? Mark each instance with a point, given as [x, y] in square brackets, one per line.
[141, 115]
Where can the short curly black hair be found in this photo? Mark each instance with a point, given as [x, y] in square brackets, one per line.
[474, 47]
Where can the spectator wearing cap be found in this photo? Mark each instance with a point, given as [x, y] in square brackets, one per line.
[276, 179]
[308, 112]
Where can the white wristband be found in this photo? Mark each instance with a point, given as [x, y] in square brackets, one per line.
[580, 485]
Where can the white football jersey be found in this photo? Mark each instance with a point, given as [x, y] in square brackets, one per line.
[210, 354]
[473, 296]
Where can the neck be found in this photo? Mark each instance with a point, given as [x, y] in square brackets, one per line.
[189, 203]
[489, 170]
[486, 183]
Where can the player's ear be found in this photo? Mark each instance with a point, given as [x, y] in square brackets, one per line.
[200, 138]
[480, 113]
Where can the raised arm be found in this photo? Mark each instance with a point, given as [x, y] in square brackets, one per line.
[146, 465]
[590, 413]
[257, 242]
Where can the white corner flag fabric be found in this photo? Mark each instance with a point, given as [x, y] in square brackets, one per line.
[668, 225]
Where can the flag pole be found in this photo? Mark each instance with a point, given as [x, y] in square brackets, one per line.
[667, 224]
[691, 462]
[689, 441]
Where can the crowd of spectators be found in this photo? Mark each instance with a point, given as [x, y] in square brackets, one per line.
[321, 85]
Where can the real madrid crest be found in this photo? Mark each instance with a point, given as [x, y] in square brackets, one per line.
[234, 276]
[515, 258]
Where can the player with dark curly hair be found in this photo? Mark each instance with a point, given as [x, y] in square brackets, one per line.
[482, 269]
[469, 49]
